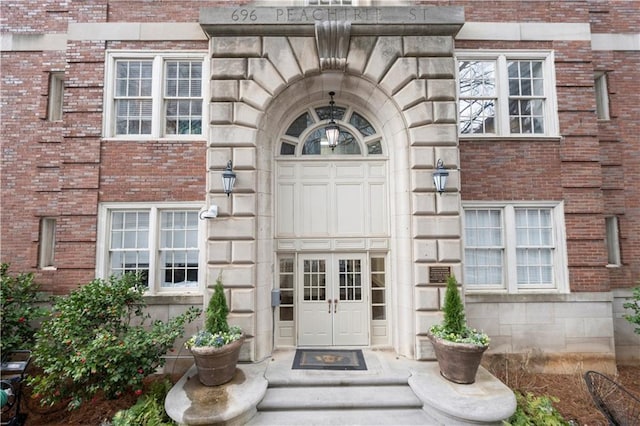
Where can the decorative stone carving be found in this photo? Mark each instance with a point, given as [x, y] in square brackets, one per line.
[332, 38]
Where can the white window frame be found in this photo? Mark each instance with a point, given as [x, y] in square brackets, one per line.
[510, 274]
[154, 209]
[157, 92]
[501, 57]
[602, 96]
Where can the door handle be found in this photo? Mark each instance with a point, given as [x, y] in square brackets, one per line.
[335, 305]
[329, 302]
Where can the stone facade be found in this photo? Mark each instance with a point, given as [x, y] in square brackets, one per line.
[395, 64]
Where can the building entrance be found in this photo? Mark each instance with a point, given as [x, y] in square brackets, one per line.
[333, 298]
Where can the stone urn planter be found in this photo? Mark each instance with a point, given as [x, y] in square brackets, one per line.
[216, 349]
[217, 366]
[458, 362]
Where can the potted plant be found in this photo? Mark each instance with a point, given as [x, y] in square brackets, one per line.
[216, 348]
[458, 348]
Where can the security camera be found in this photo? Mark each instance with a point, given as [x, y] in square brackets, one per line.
[211, 213]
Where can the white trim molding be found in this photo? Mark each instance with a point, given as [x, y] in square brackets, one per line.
[524, 31]
[615, 42]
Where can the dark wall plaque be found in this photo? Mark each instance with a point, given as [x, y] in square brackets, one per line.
[439, 274]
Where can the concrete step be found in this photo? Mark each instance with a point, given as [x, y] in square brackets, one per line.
[339, 397]
[344, 417]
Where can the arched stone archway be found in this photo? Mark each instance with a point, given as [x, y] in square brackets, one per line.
[259, 81]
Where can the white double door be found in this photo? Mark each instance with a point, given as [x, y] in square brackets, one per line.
[333, 300]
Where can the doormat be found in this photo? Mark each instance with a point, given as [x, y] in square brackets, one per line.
[328, 359]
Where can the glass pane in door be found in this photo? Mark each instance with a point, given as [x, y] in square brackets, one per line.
[350, 279]
[314, 287]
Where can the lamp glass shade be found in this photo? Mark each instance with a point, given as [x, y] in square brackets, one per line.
[228, 179]
[440, 179]
[333, 133]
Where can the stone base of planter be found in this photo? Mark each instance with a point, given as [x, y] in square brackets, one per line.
[458, 362]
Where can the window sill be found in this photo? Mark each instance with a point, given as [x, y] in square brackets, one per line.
[538, 297]
[475, 138]
[174, 299]
[144, 139]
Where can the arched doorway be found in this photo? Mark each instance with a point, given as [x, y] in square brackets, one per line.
[331, 230]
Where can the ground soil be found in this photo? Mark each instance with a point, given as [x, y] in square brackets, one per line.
[574, 401]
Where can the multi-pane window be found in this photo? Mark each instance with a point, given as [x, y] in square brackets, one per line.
[506, 94]
[526, 97]
[306, 135]
[534, 246]
[183, 98]
[484, 247]
[133, 101]
[178, 249]
[155, 96]
[378, 289]
[514, 248]
[286, 289]
[350, 281]
[314, 286]
[160, 244]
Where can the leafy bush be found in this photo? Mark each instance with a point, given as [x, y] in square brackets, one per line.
[454, 326]
[148, 410]
[97, 340]
[18, 310]
[536, 410]
[634, 305]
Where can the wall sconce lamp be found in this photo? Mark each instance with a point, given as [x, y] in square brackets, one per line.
[228, 179]
[440, 177]
[332, 130]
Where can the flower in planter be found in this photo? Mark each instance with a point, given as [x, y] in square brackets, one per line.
[217, 340]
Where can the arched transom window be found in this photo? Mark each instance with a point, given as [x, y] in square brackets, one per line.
[306, 136]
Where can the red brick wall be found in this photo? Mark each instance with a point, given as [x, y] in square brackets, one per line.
[65, 169]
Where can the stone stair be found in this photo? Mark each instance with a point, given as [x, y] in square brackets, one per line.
[372, 401]
[392, 391]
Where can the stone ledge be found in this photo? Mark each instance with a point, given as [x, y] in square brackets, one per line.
[487, 401]
[234, 403]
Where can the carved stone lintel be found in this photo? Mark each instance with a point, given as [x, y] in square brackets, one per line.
[332, 38]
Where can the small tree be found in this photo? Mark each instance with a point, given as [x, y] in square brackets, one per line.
[97, 341]
[217, 311]
[216, 332]
[18, 310]
[454, 318]
[454, 325]
[634, 305]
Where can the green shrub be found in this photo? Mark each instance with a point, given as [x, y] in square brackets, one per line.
[217, 311]
[97, 340]
[18, 310]
[217, 332]
[634, 305]
[454, 326]
[148, 410]
[536, 410]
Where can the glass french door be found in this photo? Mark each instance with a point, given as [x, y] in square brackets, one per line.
[333, 295]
